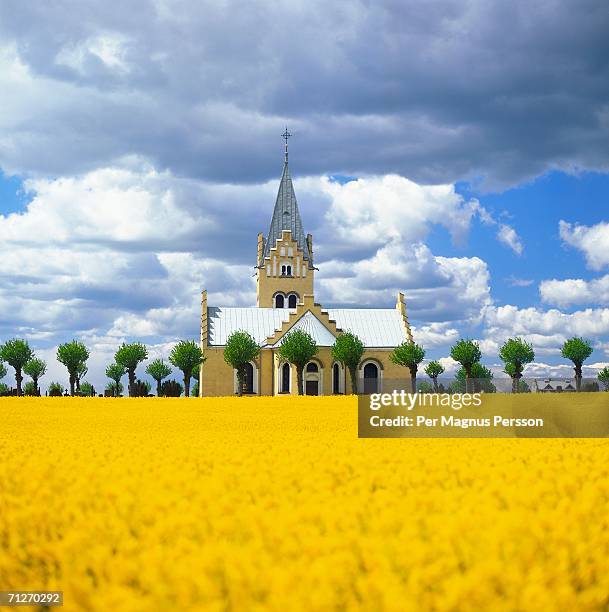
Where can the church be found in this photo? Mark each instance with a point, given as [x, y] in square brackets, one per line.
[285, 301]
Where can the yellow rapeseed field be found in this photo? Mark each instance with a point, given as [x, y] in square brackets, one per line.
[275, 504]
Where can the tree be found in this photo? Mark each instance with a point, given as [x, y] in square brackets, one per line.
[298, 347]
[55, 389]
[16, 353]
[481, 379]
[186, 355]
[130, 356]
[81, 372]
[577, 350]
[467, 353]
[348, 349]
[409, 355]
[74, 356]
[433, 370]
[603, 378]
[515, 354]
[87, 389]
[158, 370]
[240, 349]
[35, 368]
[3, 370]
[113, 389]
[425, 387]
[115, 372]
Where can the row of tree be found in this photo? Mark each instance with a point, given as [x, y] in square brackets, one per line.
[297, 347]
[186, 356]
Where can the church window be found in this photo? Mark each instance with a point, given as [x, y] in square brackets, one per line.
[290, 251]
[312, 367]
[285, 378]
[292, 300]
[282, 251]
[279, 301]
[268, 269]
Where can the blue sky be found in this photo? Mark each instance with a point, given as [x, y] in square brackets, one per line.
[140, 154]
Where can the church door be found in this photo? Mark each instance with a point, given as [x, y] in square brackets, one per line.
[371, 378]
[312, 387]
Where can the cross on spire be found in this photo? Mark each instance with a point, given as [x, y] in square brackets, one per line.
[285, 136]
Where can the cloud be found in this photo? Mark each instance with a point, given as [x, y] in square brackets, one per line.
[573, 291]
[510, 238]
[519, 282]
[593, 241]
[204, 88]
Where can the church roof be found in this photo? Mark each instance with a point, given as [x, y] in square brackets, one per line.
[376, 327]
[315, 328]
[286, 217]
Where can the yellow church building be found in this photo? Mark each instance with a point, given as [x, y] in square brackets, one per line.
[285, 301]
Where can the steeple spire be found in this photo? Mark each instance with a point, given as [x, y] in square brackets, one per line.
[285, 136]
[286, 215]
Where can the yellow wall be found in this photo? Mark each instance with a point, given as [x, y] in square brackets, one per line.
[268, 277]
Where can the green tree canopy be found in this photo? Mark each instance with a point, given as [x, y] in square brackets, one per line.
[515, 354]
[240, 349]
[467, 353]
[409, 355]
[577, 350]
[115, 372]
[87, 389]
[298, 347]
[433, 370]
[130, 356]
[3, 370]
[158, 370]
[55, 389]
[74, 356]
[16, 353]
[481, 379]
[603, 378]
[186, 355]
[35, 368]
[348, 349]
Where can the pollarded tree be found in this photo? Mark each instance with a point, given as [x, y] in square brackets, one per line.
[81, 372]
[186, 355]
[240, 349]
[577, 350]
[467, 353]
[515, 354]
[348, 349]
[74, 356]
[130, 356]
[298, 347]
[433, 370]
[158, 370]
[115, 372]
[409, 355]
[603, 378]
[16, 353]
[481, 380]
[35, 368]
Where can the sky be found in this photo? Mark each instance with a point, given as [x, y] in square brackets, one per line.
[453, 150]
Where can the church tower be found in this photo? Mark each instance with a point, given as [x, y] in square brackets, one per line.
[284, 269]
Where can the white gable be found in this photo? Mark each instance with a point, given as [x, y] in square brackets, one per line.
[314, 327]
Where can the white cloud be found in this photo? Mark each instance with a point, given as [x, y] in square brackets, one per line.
[574, 291]
[510, 238]
[592, 240]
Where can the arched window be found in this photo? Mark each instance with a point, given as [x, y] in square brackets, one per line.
[312, 367]
[371, 378]
[283, 270]
[292, 300]
[279, 301]
[285, 378]
[289, 270]
[335, 379]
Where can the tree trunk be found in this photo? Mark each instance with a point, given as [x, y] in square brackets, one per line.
[36, 389]
[413, 378]
[131, 374]
[515, 384]
[18, 379]
[468, 379]
[578, 378]
[300, 378]
[435, 384]
[187, 384]
[72, 382]
[240, 380]
[353, 375]
[158, 387]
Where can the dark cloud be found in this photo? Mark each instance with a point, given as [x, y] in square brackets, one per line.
[434, 91]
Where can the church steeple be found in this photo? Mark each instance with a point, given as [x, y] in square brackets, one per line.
[286, 215]
[285, 259]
